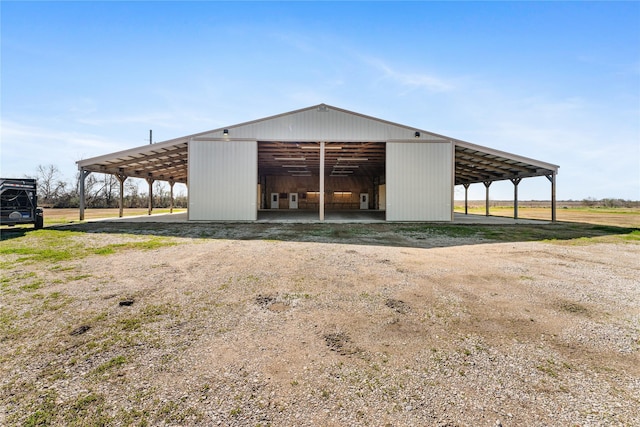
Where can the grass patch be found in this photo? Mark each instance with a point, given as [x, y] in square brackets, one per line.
[42, 246]
[572, 307]
[130, 324]
[148, 314]
[149, 244]
[441, 230]
[104, 251]
[7, 322]
[111, 364]
[41, 417]
[44, 413]
[519, 232]
[152, 310]
[549, 367]
[33, 286]
[38, 254]
[87, 410]
[78, 277]
[553, 232]
[634, 236]
[55, 246]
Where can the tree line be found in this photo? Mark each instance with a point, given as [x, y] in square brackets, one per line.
[101, 191]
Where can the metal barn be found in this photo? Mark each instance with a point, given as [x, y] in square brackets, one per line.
[318, 159]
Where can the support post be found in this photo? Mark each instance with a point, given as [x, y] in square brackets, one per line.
[150, 181]
[486, 204]
[321, 195]
[171, 183]
[466, 198]
[515, 182]
[552, 179]
[121, 179]
[83, 175]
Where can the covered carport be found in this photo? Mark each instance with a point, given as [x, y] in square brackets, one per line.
[166, 161]
[316, 159]
[475, 164]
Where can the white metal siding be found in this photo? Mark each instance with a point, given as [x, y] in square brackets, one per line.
[327, 125]
[418, 181]
[223, 179]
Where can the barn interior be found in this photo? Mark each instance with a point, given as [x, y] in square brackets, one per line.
[289, 175]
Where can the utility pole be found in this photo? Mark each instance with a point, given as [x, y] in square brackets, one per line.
[150, 136]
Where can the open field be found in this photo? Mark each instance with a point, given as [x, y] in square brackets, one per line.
[66, 216]
[625, 217]
[566, 212]
[320, 324]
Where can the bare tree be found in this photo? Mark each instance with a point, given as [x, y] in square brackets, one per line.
[160, 194]
[105, 195]
[90, 184]
[49, 183]
[131, 191]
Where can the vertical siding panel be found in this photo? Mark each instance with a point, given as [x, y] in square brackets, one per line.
[314, 125]
[222, 180]
[418, 179]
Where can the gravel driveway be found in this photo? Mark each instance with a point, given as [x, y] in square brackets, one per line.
[387, 328]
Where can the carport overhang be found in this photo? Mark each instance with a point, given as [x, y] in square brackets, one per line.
[478, 164]
[169, 161]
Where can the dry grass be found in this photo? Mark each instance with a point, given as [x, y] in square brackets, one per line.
[63, 216]
[622, 217]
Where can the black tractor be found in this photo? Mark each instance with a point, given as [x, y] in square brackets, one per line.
[19, 202]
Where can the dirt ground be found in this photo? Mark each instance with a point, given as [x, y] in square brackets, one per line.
[287, 325]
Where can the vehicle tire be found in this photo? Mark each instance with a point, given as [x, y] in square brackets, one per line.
[39, 220]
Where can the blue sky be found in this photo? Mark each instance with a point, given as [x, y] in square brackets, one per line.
[554, 81]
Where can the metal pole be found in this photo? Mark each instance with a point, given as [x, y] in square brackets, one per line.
[150, 181]
[466, 198]
[121, 201]
[150, 136]
[83, 175]
[486, 205]
[121, 178]
[171, 182]
[515, 200]
[321, 195]
[515, 182]
[81, 178]
[552, 178]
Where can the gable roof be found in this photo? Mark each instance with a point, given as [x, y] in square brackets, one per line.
[168, 160]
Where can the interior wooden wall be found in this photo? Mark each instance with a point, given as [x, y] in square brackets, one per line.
[307, 189]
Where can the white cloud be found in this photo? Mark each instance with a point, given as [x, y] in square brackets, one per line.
[24, 147]
[157, 119]
[13, 134]
[410, 81]
[596, 150]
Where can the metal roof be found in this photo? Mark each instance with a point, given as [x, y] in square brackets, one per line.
[164, 161]
[474, 163]
[168, 160]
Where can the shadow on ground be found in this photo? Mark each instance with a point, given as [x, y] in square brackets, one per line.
[421, 235]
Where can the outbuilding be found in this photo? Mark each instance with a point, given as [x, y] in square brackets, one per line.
[319, 159]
